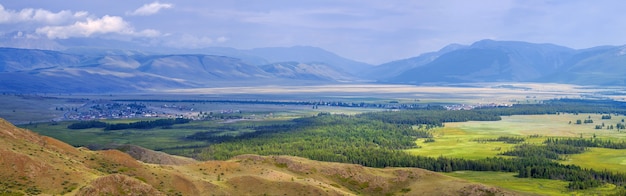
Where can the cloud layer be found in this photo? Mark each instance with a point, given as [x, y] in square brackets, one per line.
[67, 24]
[104, 25]
[38, 15]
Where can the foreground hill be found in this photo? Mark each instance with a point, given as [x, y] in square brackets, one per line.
[34, 164]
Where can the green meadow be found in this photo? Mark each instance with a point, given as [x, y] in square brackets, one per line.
[459, 139]
[160, 139]
[529, 185]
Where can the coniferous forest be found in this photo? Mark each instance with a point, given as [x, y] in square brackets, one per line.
[378, 139]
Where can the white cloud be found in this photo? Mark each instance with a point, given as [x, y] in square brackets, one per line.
[33, 23]
[39, 15]
[190, 41]
[221, 39]
[104, 25]
[149, 9]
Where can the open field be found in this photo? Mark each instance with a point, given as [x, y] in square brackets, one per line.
[600, 158]
[544, 125]
[455, 142]
[528, 185]
[25, 108]
[455, 139]
[160, 139]
[22, 109]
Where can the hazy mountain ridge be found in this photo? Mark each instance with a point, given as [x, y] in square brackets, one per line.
[308, 54]
[254, 56]
[310, 71]
[490, 61]
[34, 165]
[30, 59]
[394, 68]
[27, 70]
[598, 66]
[98, 70]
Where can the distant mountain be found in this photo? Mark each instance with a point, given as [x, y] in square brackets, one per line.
[257, 56]
[13, 59]
[97, 71]
[307, 54]
[605, 65]
[200, 68]
[310, 71]
[395, 68]
[490, 61]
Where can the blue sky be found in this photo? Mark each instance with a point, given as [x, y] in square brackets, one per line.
[371, 31]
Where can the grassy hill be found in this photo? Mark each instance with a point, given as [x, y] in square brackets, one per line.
[32, 164]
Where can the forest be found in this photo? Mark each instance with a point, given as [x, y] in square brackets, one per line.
[377, 139]
[134, 125]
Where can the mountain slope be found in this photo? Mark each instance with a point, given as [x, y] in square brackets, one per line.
[200, 68]
[490, 61]
[13, 59]
[307, 54]
[395, 68]
[595, 66]
[34, 164]
[98, 71]
[85, 80]
[307, 71]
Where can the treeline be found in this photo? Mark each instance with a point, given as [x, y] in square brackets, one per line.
[549, 151]
[134, 125]
[556, 106]
[87, 125]
[147, 124]
[429, 117]
[591, 142]
[505, 139]
[219, 136]
[437, 116]
[389, 105]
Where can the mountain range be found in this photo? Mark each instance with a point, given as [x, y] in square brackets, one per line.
[98, 69]
[95, 71]
[32, 164]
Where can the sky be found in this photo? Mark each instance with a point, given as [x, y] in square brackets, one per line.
[370, 31]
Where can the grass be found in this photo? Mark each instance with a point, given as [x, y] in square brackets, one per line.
[152, 138]
[600, 158]
[456, 139]
[528, 185]
[456, 142]
[544, 125]
[23, 109]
